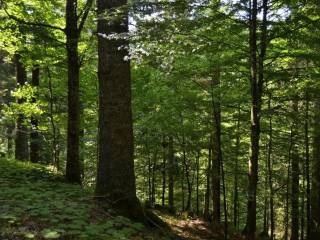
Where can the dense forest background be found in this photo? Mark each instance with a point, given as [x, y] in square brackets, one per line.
[225, 96]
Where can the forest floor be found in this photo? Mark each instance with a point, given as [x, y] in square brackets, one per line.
[194, 228]
[36, 203]
[188, 228]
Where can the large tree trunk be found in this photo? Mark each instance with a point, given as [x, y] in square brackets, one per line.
[295, 175]
[72, 34]
[315, 193]
[115, 174]
[171, 171]
[21, 139]
[34, 135]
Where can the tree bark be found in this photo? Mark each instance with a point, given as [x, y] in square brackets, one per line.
[270, 171]
[153, 182]
[206, 213]
[216, 150]
[72, 34]
[236, 176]
[286, 217]
[182, 180]
[307, 165]
[171, 175]
[164, 175]
[256, 79]
[34, 135]
[54, 128]
[187, 174]
[302, 214]
[315, 193]
[149, 174]
[225, 209]
[255, 127]
[10, 137]
[115, 173]
[197, 182]
[295, 175]
[21, 138]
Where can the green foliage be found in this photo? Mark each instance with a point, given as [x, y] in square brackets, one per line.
[36, 204]
[28, 108]
[176, 50]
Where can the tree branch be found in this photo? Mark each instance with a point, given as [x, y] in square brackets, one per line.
[85, 14]
[32, 23]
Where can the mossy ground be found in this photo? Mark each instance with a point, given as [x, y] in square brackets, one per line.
[36, 203]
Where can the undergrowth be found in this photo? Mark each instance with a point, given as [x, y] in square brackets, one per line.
[36, 203]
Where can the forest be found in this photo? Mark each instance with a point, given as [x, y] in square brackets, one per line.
[160, 119]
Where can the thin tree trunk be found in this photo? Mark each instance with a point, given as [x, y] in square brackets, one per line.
[82, 144]
[153, 182]
[225, 209]
[266, 196]
[206, 213]
[255, 127]
[187, 174]
[149, 174]
[270, 171]
[307, 165]
[295, 176]
[21, 138]
[216, 150]
[189, 184]
[182, 177]
[257, 78]
[115, 174]
[171, 175]
[34, 135]
[236, 176]
[55, 132]
[315, 193]
[197, 182]
[10, 133]
[164, 166]
[286, 220]
[302, 215]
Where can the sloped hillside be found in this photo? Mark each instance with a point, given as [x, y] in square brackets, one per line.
[36, 203]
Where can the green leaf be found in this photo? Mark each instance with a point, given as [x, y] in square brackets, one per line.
[50, 234]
